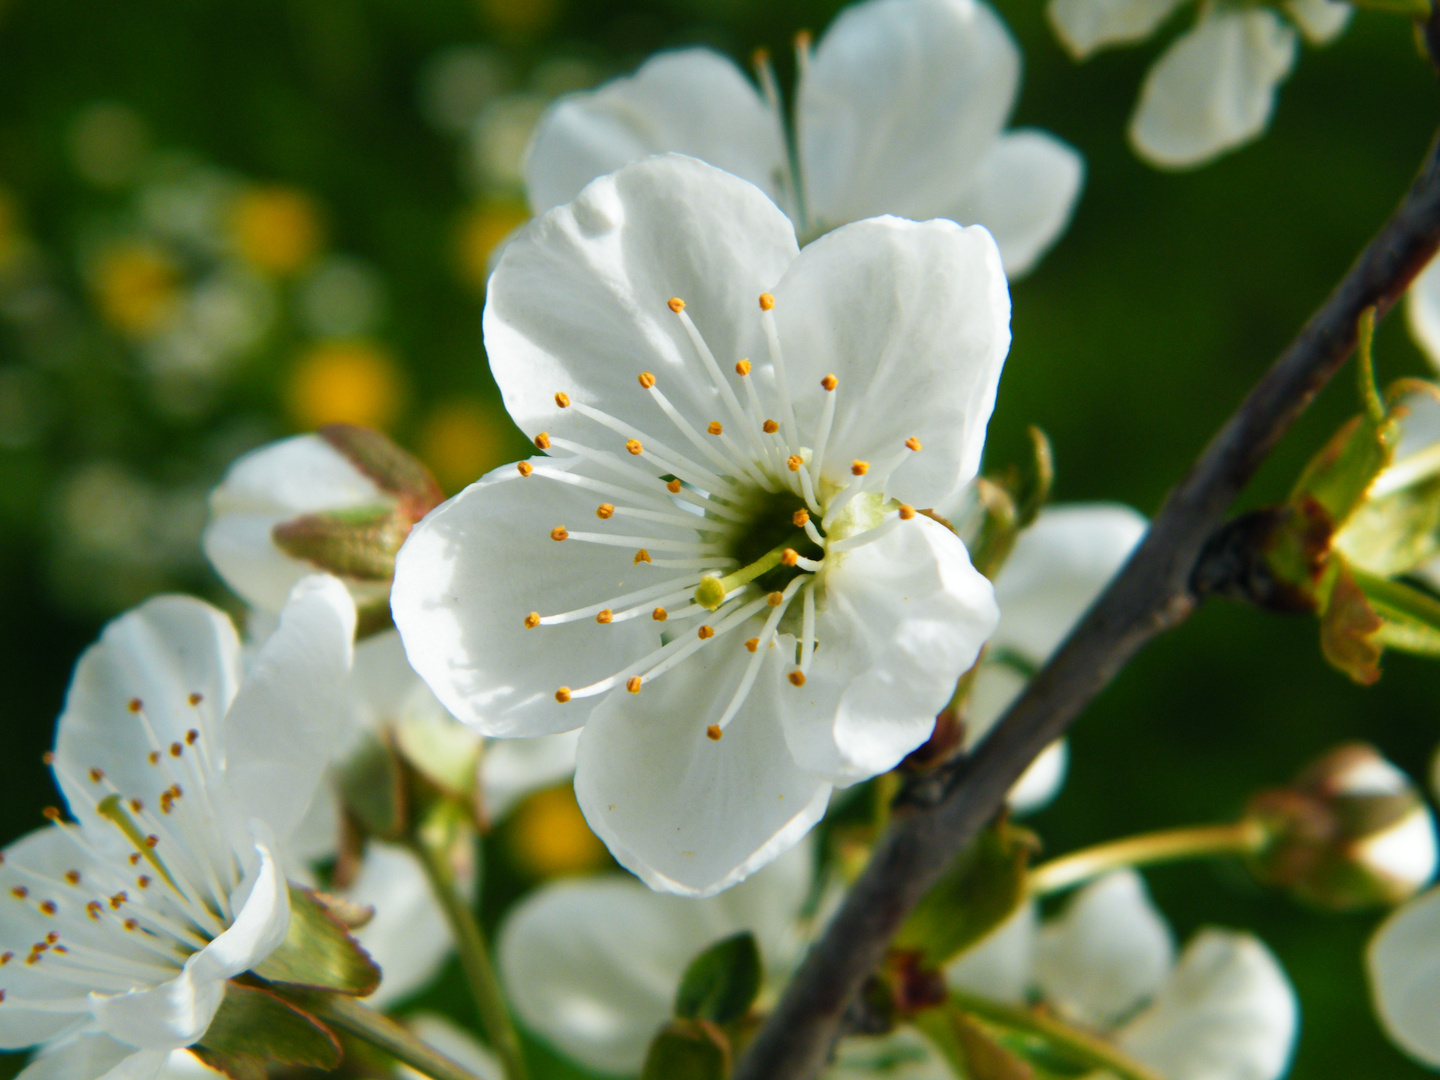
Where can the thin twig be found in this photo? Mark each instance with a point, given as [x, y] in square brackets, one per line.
[1150, 595]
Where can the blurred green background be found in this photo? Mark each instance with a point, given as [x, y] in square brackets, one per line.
[222, 222]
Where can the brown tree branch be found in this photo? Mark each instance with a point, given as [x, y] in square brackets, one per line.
[1151, 594]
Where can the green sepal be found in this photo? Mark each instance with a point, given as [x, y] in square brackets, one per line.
[1410, 618]
[688, 1050]
[443, 751]
[358, 543]
[969, 1049]
[1009, 502]
[255, 1027]
[1338, 477]
[394, 471]
[372, 787]
[978, 892]
[722, 982]
[1349, 626]
[318, 952]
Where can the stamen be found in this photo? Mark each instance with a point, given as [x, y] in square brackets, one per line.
[712, 367]
[615, 464]
[671, 460]
[673, 486]
[562, 399]
[800, 518]
[691, 546]
[642, 556]
[789, 557]
[714, 733]
[753, 644]
[633, 684]
[605, 511]
[559, 533]
[739, 464]
[778, 602]
[542, 441]
[742, 368]
[770, 427]
[797, 677]
[634, 447]
[524, 468]
[659, 614]
[562, 695]
[859, 468]
[649, 593]
[827, 421]
[906, 511]
[807, 628]
[605, 616]
[647, 380]
[913, 443]
[813, 533]
[715, 428]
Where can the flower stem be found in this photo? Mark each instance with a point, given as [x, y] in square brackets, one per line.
[475, 959]
[377, 1029]
[1082, 1048]
[1243, 837]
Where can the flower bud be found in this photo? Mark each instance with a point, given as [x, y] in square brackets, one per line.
[341, 500]
[1352, 831]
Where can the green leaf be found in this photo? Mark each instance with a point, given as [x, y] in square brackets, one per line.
[722, 982]
[318, 952]
[1338, 477]
[255, 1027]
[688, 1050]
[976, 894]
[372, 786]
[971, 1051]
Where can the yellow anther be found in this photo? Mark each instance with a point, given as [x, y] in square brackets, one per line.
[706, 633]
[659, 614]
[672, 486]
[641, 556]
[801, 517]
[794, 461]
[829, 382]
[742, 368]
[633, 445]
[532, 620]
[647, 380]
[605, 617]
[713, 733]
[562, 695]
[906, 511]
[676, 304]
[914, 443]
[760, 57]
[714, 427]
[797, 677]
[559, 533]
[802, 41]
[542, 441]
[789, 557]
[769, 427]
[562, 399]
[633, 684]
[605, 511]
[710, 593]
[524, 468]
[774, 599]
[766, 301]
[753, 644]
[859, 468]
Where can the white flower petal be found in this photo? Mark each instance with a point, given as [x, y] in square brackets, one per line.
[292, 708]
[1086, 25]
[183, 1065]
[1321, 21]
[1023, 192]
[159, 654]
[476, 566]
[1059, 565]
[268, 486]
[905, 617]
[1422, 310]
[1403, 961]
[593, 965]
[914, 320]
[1227, 1012]
[898, 106]
[512, 768]
[1214, 89]
[94, 1057]
[1042, 779]
[683, 812]
[1106, 953]
[1001, 966]
[579, 301]
[408, 936]
[692, 101]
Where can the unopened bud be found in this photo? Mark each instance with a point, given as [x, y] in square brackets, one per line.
[1352, 831]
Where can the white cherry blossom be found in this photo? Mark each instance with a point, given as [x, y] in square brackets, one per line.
[1213, 89]
[184, 778]
[1222, 1010]
[900, 110]
[1422, 311]
[719, 570]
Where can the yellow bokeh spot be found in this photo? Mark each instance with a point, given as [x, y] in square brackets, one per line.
[352, 382]
[460, 441]
[548, 835]
[9, 230]
[276, 229]
[524, 17]
[482, 231]
[137, 288]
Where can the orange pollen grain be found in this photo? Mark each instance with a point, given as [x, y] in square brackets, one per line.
[48, 907]
[829, 382]
[192, 737]
[766, 301]
[562, 399]
[742, 368]
[19, 892]
[143, 881]
[175, 749]
[51, 813]
[672, 486]
[770, 427]
[48, 757]
[659, 614]
[906, 512]
[633, 445]
[706, 633]
[559, 533]
[647, 380]
[72, 876]
[675, 304]
[605, 511]
[135, 704]
[196, 698]
[605, 617]
[633, 684]
[774, 599]
[641, 556]
[794, 461]
[753, 644]
[532, 620]
[713, 733]
[524, 468]
[789, 557]
[96, 775]
[543, 440]
[714, 427]
[914, 443]
[562, 695]
[859, 468]
[797, 677]
[800, 518]
[154, 756]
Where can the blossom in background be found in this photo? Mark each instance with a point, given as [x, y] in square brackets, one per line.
[1422, 311]
[184, 778]
[1059, 565]
[1223, 1010]
[901, 110]
[1213, 89]
[757, 616]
